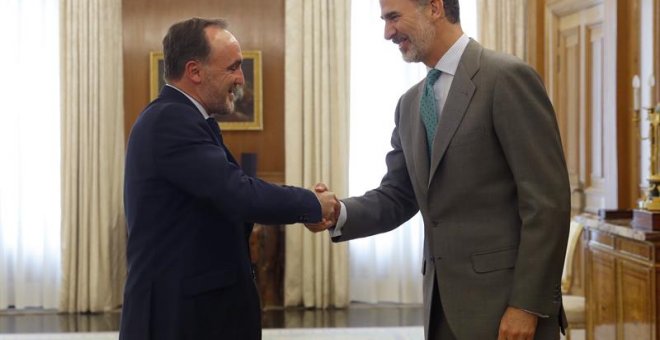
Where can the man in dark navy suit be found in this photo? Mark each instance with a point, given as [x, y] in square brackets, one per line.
[190, 207]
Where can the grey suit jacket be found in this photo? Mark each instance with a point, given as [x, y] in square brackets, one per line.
[494, 196]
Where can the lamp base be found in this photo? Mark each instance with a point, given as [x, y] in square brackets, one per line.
[646, 220]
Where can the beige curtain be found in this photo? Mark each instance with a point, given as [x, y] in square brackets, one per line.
[502, 25]
[93, 225]
[317, 91]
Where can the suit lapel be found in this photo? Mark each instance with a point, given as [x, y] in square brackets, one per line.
[217, 136]
[230, 157]
[169, 93]
[458, 99]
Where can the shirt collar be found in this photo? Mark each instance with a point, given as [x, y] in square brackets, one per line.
[196, 103]
[449, 61]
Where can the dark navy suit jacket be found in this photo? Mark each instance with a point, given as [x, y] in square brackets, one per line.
[190, 210]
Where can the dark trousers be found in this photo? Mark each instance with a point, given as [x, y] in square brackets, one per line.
[438, 326]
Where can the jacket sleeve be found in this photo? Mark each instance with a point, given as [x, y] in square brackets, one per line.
[526, 127]
[386, 207]
[187, 156]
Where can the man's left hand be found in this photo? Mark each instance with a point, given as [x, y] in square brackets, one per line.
[517, 324]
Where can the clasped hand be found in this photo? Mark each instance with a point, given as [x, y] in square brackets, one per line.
[330, 208]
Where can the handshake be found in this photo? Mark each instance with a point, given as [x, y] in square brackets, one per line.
[330, 208]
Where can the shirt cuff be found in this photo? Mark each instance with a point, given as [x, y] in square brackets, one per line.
[543, 316]
[336, 230]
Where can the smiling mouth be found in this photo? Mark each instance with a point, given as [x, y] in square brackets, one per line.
[235, 93]
[399, 41]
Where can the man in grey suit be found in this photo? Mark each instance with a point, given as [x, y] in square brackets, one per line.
[476, 149]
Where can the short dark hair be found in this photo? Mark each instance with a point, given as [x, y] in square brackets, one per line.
[452, 10]
[186, 41]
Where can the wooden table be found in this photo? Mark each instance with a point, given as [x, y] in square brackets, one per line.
[621, 280]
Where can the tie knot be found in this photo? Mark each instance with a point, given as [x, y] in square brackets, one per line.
[432, 76]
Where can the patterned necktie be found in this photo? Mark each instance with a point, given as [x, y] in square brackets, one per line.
[427, 108]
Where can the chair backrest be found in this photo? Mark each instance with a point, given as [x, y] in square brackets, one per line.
[573, 237]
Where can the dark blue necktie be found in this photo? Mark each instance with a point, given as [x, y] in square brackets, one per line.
[218, 138]
[216, 130]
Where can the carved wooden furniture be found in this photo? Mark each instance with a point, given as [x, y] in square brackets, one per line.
[622, 274]
[267, 253]
[572, 281]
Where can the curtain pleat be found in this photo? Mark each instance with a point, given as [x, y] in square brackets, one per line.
[316, 140]
[502, 26]
[30, 212]
[93, 224]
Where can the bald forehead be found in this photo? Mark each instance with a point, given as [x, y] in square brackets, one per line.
[217, 34]
[221, 41]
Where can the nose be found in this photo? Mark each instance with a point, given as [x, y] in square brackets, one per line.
[389, 31]
[240, 79]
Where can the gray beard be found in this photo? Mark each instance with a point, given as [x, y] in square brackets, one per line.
[413, 56]
[225, 110]
[421, 44]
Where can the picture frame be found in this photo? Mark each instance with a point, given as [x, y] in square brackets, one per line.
[248, 113]
[156, 71]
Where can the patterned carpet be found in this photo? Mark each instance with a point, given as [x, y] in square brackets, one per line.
[381, 333]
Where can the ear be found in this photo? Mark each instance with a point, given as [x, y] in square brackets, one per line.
[193, 71]
[437, 8]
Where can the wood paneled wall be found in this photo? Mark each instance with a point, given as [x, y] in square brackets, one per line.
[628, 65]
[656, 48]
[536, 35]
[258, 25]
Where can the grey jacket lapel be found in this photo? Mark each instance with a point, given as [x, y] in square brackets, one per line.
[458, 99]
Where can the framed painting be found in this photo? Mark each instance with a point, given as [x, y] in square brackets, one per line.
[248, 113]
[157, 68]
